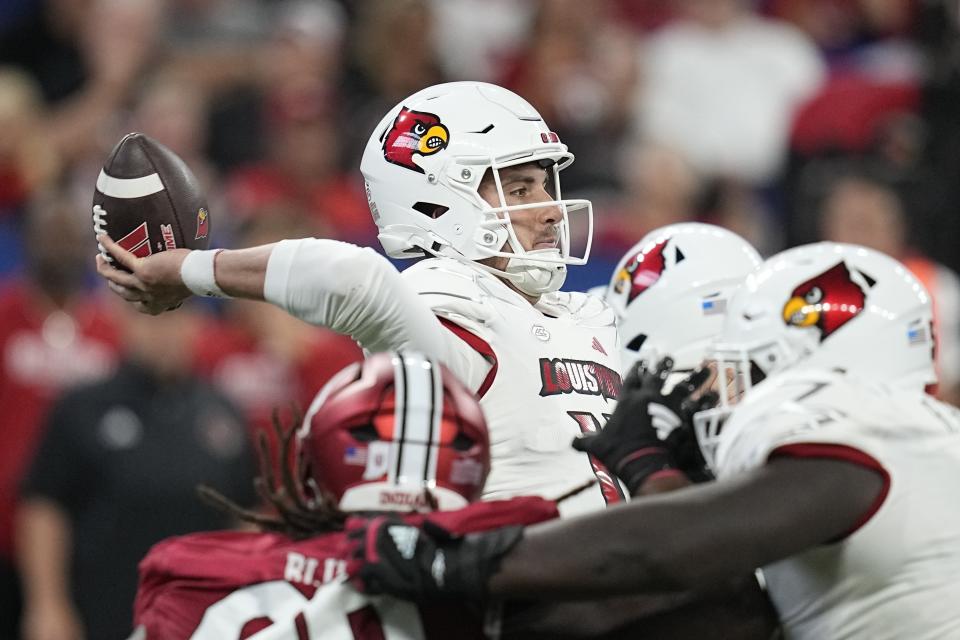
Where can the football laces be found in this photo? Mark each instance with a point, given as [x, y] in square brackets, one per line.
[100, 227]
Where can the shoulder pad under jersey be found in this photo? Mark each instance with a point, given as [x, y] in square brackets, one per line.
[788, 407]
[451, 289]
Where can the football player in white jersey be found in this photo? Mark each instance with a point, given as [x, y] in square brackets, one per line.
[670, 293]
[467, 175]
[837, 472]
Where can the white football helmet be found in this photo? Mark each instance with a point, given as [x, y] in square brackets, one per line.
[670, 291]
[423, 165]
[826, 305]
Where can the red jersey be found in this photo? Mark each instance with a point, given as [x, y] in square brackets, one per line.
[239, 585]
[42, 352]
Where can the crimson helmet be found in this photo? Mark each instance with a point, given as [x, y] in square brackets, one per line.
[388, 433]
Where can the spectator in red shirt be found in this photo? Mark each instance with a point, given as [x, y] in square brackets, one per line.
[53, 334]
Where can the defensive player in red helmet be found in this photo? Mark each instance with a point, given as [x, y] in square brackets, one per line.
[396, 432]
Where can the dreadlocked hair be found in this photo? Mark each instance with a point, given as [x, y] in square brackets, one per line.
[576, 490]
[294, 516]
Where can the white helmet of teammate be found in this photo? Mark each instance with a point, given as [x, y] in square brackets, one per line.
[670, 291]
[423, 165]
[826, 305]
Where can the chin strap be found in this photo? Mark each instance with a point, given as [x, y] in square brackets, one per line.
[535, 278]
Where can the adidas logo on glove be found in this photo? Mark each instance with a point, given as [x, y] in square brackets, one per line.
[405, 539]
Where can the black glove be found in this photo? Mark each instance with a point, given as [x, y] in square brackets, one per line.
[634, 444]
[685, 449]
[672, 416]
[424, 562]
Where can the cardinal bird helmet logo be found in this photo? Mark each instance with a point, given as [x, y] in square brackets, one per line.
[202, 217]
[827, 301]
[643, 270]
[414, 132]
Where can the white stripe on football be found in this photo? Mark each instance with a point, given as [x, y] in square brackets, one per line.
[129, 187]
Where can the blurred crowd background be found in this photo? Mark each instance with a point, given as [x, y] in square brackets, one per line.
[787, 121]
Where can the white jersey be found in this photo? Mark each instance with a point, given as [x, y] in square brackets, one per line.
[896, 575]
[555, 374]
[544, 373]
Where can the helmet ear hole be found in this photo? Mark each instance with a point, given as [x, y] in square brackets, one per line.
[463, 442]
[365, 433]
[430, 209]
[637, 342]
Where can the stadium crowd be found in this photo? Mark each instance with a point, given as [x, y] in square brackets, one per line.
[786, 121]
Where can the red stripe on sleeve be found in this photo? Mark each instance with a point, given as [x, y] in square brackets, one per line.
[479, 345]
[848, 454]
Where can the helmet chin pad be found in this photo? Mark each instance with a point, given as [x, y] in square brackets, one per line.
[535, 278]
[402, 496]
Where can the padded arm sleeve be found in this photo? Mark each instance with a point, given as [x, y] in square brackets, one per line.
[357, 292]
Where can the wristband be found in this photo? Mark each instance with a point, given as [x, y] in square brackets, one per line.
[197, 273]
[643, 464]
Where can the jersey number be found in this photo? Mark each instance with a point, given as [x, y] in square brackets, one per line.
[609, 487]
[336, 612]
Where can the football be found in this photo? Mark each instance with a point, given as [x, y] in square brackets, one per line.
[148, 200]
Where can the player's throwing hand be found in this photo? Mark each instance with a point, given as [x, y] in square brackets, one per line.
[153, 284]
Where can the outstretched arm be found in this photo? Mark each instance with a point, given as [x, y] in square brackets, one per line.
[693, 538]
[351, 290]
[740, 611]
